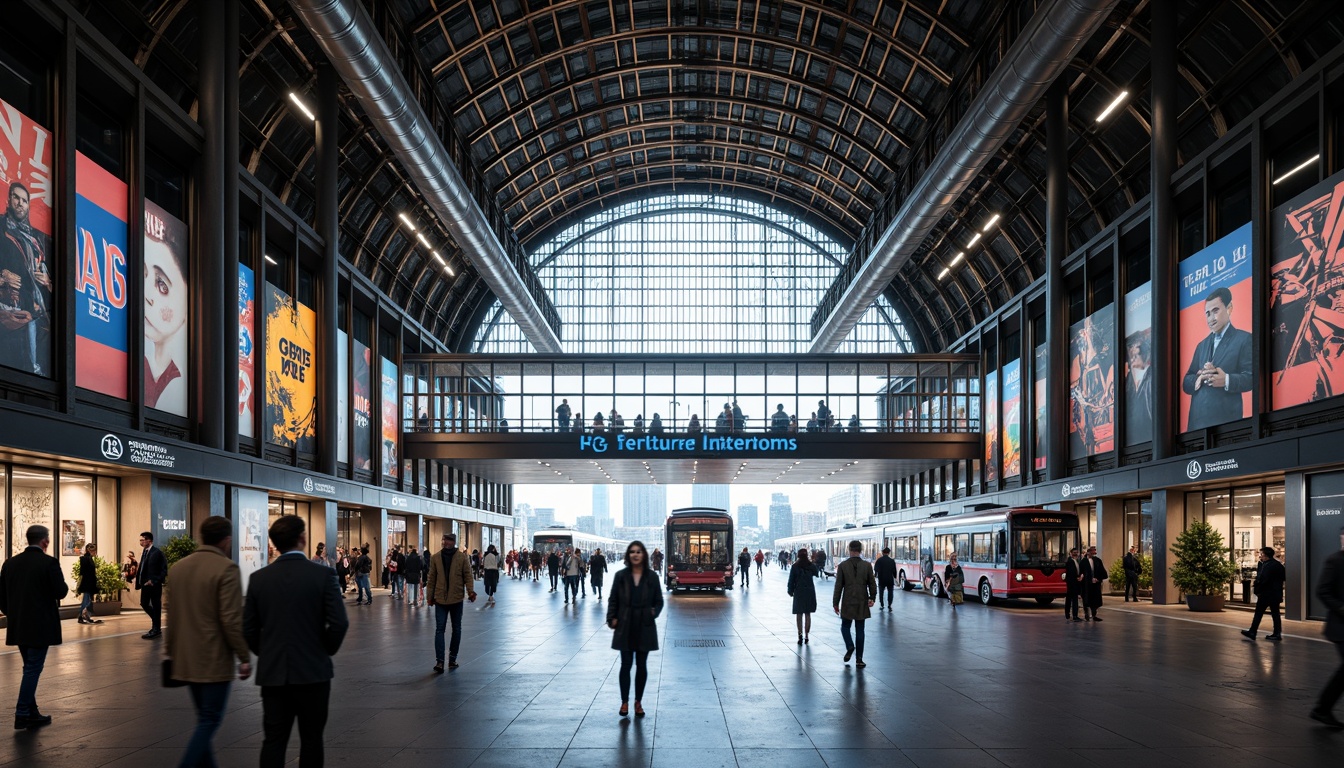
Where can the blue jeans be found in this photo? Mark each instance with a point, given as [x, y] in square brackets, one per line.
[850, 643]
[362, 590]
[209, 700]
[412, 592]
[441, 614]
[34, 658]
[398, 584]
[85, 603]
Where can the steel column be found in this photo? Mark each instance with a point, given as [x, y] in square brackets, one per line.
[328, 228]
[210, 233]
[229, 377]
[1162, 161]
[1056, 302]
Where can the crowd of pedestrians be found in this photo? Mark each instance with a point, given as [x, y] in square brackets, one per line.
[730, 420]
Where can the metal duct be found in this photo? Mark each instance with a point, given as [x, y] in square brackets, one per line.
[1046, 46]
[350, 40]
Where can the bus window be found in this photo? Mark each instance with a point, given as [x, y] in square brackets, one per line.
[1043, 548]
[964, 547]
[982, 548]
[699, 548]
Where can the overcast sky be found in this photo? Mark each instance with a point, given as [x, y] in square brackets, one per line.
[571, 501]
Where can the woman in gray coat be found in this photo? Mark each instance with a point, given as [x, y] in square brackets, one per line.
[804, 594]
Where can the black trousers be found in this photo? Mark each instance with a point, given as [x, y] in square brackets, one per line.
[281, 705]
[1260, 607]
[1333, 689]
[640, 660]
[555, 580]
[886, 589]
[1132, 587]
[1071, 600]
[491, 581]
[151, 599]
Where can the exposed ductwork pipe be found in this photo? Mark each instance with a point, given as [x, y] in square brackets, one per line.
[351, 41]
[1050, 41]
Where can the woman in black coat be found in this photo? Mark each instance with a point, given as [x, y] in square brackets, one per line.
[804, 593]
[636, 600]
[88, 583]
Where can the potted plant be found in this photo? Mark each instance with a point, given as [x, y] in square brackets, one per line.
[177, 548]
[107, 601]
[1202, 569]
[1145, 576]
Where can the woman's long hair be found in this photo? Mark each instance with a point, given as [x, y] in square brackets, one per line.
[643, 563]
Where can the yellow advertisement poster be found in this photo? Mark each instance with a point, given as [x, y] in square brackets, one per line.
[291, 372]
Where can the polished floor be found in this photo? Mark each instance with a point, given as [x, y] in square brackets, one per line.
[1014, 686]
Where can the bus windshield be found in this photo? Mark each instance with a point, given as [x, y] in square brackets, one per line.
[699, 549]
[1043, 548]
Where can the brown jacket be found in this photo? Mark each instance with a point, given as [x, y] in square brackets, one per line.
[855, 588]
[205, 632]
[453, 586]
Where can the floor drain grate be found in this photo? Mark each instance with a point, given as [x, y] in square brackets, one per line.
[699, 643]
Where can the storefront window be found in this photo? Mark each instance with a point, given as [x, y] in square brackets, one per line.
[1247, 536]
[1087, 521]
[1248, 519]
[1275, 522]
[1139, 525]
[33, 503]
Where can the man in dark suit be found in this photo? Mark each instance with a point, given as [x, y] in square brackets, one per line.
[31, 589]
[149, 580]
[1133, 569]
[1220, 369]
[1330, 590]
[1269, 579]
[1139, 391]
[294, 621]
[1073, 585]
[885, 569]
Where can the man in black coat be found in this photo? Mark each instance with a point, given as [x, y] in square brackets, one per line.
[149, 580]
[1073, 585]
[1330, 590]
[1094, 573]
[885, 568]
[553, 568]
[31, 589]
[1269, 579]
[294, 620]
[1220, 369]
[1133, 569]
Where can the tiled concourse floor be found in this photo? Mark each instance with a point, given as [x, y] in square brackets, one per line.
[1004, 686]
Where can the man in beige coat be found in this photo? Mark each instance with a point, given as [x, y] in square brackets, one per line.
[449, 580]
[205, 637]
[855, 592]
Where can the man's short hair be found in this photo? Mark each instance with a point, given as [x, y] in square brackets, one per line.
[146, 535]
[856, 546]
[1220, 292]
[1267, 552]
[886, 550]
[13, 185]
[215, 529]
[37, 534]
[451, 537]
[285, 532]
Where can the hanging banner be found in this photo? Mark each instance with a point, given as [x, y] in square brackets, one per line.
[247, 353]
[390, 407]
[1139, 365]
[363, 412]
[1041, 367]
[991, 426]
[1012, 419]
[291, 372]
[342, 397]
[100, 284]
[26, 299]
[1215, 308]
[167, 309]
[1092, 384]
[1306, 312]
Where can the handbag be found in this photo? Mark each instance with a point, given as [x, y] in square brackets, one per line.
[166, 672]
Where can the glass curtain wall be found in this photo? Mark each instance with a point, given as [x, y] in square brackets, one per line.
[1248, 518]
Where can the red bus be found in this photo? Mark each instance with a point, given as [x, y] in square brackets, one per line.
[1005, 552]
[699, 549]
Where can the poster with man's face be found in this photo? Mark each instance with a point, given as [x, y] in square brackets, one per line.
[1216, 346]
[26, 299]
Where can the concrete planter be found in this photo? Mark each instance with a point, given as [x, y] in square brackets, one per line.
[105, 608]
[1205, 603]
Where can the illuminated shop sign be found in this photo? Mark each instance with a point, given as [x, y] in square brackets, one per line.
[704, 443]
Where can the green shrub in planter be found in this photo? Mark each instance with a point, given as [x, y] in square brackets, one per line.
[1202, 566]
[1117, 572]
[110, 583]
[177, 548]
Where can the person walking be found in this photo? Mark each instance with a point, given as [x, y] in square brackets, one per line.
[885, 570]
[553, 569]
[294, 621]
[954, 579]
[1330, 591]
[149, 580]
[636, 601]
[414, 573]
[819, 560]
[571, 566]
[583, 572]
[803, 589]
[597, 566]
[854, 595]
[656, 559]
[449, 581]
[320, 555]
[363, 567]
[760, 564]
[31, 590]
[1269, 579]
[343, 569]
[1133, 569]
[535, 562]
[1094, 573]
[88, 583]
[205, 642]
[1073, 585]
[490, 573]
[744, 568]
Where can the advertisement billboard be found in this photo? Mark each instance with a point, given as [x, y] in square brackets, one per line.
[992, 426]
[167, 310]
[390, 408]
[26, 300]
[101, 290]
[1138, 398]
[1216, 348]
[1011, 440]
[291, 372]
[250, 536]
[1306, 312]
[1092, 384]
[247, 351]
[1040, 396]
[363, 410]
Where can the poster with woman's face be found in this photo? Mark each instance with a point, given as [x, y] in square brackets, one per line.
[167, 309]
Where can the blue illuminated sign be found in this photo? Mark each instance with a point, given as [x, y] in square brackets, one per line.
[705, 443]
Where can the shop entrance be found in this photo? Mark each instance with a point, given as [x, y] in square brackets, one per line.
[1248, 517]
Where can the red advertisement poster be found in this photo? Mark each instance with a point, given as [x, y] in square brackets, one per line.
[101, 287]
[1092, 384]
[1216, 346]
[1307, 295]
[26, 299]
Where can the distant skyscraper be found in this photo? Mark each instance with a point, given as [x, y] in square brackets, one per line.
[543, 517]
[747, 516]
[644, 506]
[808, 522]
[781, 516]
[601, 503]
[584, 524]
[713, 496]
[849, 505]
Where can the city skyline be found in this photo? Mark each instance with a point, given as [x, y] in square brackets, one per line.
[572, 501]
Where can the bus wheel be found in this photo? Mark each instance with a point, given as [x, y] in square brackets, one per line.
[1043, 600]
[903, 582]
[986, 592]
[936, 587]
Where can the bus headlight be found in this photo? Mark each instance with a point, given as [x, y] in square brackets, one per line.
[1018, 577]
[1030, 577]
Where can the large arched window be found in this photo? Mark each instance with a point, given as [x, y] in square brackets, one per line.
[690, 274]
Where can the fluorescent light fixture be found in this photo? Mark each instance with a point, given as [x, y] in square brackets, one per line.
[423, 240]
[294, 97]
[439, 258]
[1117, 101]
[974, 240]
[957, 259]
[992, 221]
[406, 220]
[449, 270]
[269, 260]
[1300, 166]
[944, 273]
